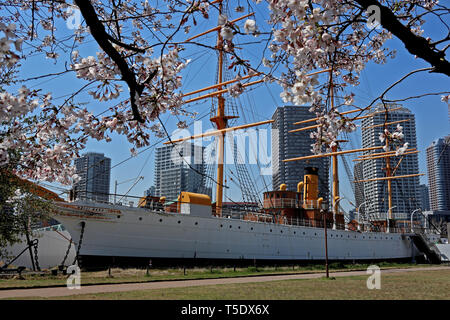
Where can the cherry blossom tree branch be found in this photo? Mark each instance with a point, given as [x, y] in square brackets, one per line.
[103, 39]
[416, 45]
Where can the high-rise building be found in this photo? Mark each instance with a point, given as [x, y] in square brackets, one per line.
[438, 164]
[359, 187]
[287, 145]
[150, 191]
[405, 191]
[94, 170]
[424, 197]
[179, 168]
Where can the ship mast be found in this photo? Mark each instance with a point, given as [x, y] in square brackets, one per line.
[389, 172]
[221, 122]
[220, 119]
[334, 160]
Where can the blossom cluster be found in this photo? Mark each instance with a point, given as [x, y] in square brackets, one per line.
[306, 36]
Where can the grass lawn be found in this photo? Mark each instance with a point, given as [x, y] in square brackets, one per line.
[417, 285]
[139, 275]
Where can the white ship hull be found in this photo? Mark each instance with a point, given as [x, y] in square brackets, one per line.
[52, 248]
[142, 233]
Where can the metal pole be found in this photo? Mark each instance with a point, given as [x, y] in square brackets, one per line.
[412, 216]
[326, 241]
[115, 192]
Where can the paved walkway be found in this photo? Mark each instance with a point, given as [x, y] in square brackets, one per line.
[92, 289]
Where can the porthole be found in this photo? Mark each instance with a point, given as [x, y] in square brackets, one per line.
[294, 232]
[239, 227]
[281, 231]
[118, 217]
[251, 228]
[231, 226]
[179, 221]
[221, 225]
[304, 233]
[140, 218]
[196, 223]
[160, 220]
[270, 230]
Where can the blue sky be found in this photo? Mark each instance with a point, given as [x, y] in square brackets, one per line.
[432, 120]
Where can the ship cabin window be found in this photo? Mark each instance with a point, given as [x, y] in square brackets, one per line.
[278, 195]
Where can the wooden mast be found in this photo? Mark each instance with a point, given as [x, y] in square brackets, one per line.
[221, 122]
[334, 158]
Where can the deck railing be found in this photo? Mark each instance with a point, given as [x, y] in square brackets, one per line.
[258, 215]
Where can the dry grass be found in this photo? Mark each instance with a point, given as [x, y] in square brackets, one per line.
[119, 275]
[417, 285]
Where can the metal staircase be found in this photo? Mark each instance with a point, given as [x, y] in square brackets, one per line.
[432, 253]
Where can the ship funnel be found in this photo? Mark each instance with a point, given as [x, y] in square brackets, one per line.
[283, 187]
[311, 184]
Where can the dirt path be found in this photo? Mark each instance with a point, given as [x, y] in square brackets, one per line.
[92, 289]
